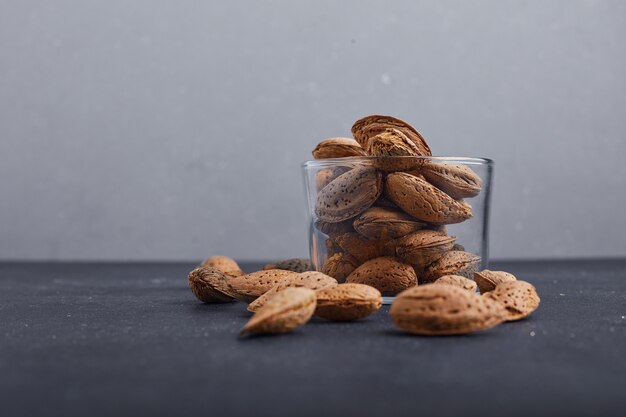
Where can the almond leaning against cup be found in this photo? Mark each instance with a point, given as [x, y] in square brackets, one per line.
[286, 310]
[348, 195]
[444, 310]
[345, 302]
[210, 285]
[519, 298]
[338, 148]
[311, 280]
[424, 201]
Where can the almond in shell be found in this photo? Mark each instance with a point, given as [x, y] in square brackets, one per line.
[338, 148]
[311, 279]
[225, 264]
[444, 310]
[452, 263]
[457, 281]
[456, 180]
[339, 266]
[363, 249]
[348, 195]
[249, 287]
[286, 310]
[294, 265]
[387, 274]
[345, 302]
[424, 201]
[487, 280]
[386, 223]
[210, 285]
[424, 246]
[369, 126]
[519, 298]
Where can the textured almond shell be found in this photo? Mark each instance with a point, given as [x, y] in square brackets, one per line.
[487, 280]
[457, 281]
[387, 274]
[391, 142]
[294, 265]
[424, 246]
[311, 280]
[519, 298]
[424, 201]
[456, 180]
[452, 263]
[249, 287]
[369, 126]
[339, 266]
[443, 310]
[386, 223]
[338, 148]
[286, 310]
[347, 302]
[225, 264]
[348, 195]
[210, 285]
[363, 249]
[334, 229]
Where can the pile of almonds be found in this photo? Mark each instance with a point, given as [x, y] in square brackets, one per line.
[287, 294]
[383, 220]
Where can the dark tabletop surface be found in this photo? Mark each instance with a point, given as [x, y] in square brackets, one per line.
[130, 339]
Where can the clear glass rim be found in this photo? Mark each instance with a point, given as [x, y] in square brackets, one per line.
[465, 160]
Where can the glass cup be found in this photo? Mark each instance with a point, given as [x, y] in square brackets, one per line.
[396, 222]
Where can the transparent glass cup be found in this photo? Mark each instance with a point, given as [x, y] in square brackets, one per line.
[395, 222]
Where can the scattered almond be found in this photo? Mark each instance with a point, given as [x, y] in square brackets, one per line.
[210, 285]
[443, 310]
[286, 310]
[519, 298]
[347, 302]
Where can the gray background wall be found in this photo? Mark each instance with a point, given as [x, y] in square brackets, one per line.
[175, 129]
